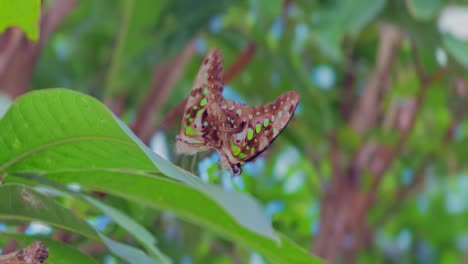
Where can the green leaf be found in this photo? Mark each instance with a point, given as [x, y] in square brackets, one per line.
[349, 139]
[144, 36]
[162, 193]
[132, 41]
[406, 84]
[20, 202]
[334, 21]
[70, 137]
[181, 20]
[423, 9]
[357, 14]
[22, 13]
[457, 48]
[460, 150]
[329, 42]
[131, 226]
[59, 253]
[267, 10]
[130, 254]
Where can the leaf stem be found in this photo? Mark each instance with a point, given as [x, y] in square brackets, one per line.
[111, 82]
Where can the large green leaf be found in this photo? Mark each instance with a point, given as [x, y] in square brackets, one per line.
[131, 226]
[160, 192]
[20, 202]
[59, 253]
[22, 13]
[70, 137]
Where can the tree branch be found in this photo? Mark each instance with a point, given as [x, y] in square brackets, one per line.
[403, 193]
[240, 63]
[347, 92]
[165, 76]
[93, 248]
[116, 103]
[406, 121]
[54, 16]
[18, 55]
[36, 253]
[366, 112]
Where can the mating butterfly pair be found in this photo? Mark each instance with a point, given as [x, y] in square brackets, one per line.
[238, 132]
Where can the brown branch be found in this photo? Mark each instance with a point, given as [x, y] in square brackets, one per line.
[174, 114]
[64, 236]
[461, 87]
[116, 103]
[347, 95]
[344, 204]
[165, 76]
[54, 16]
[403, 193]
[240, 63]
[365, 115]
[35, 253]
[93, 248]
[380, 163]
[18, 54]
[367, 110]
[9, 40]
[10, 246]
[18, 66]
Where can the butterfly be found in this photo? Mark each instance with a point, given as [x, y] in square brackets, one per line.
[239, 133]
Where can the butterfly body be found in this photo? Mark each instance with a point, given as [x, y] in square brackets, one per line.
[238, 132]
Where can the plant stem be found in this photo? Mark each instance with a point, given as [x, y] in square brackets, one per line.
[110, 86]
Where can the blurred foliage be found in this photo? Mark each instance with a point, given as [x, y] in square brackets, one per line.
[107, 48]
[27, 21]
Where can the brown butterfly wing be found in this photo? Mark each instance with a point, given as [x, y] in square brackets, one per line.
[259, 127]
[196, 133]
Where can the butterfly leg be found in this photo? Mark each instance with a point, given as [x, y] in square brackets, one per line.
[194, 163]
[189, 148]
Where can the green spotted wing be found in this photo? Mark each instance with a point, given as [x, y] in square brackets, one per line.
[198, 128]
[258, 128]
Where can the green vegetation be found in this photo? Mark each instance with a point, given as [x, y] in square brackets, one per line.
[371, 169]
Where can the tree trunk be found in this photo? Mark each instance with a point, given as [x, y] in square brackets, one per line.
[342, 222]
